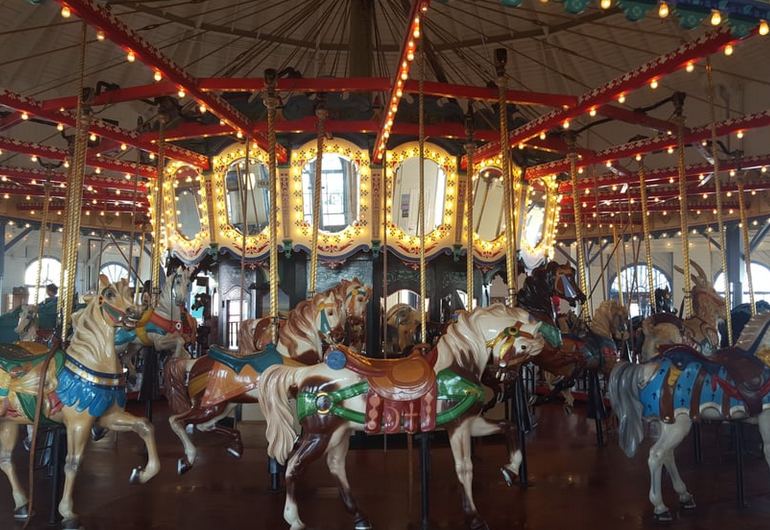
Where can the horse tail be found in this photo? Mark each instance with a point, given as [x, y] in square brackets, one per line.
[624, 397]
[174, 379]
[273, 391]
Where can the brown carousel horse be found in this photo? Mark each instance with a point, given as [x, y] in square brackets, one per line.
[699, 331]
[222, 379]
[421, 392]
[79, 387]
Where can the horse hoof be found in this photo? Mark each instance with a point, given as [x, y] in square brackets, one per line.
[568, 410]
[362, 524]
[97, 433]
[664, 517]
[234, 452]
[135, 475]
[183, 466]
[508, 476]
[478, 524]
[71, 524]
[689, 504]
[21, 513]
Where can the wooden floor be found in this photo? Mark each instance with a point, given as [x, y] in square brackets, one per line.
[574, 486]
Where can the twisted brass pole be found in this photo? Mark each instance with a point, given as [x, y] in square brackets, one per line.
[718, 192]
[501, 59]
[683, 213]
[321, 115]
[469, 151]
[271, 103]
[646, 233]
[41, 243]
[746, 245]
[618, 271]
[245, 182]
[578, 212]
[157, 246]
[421, 202]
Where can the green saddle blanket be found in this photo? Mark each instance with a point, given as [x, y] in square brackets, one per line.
[259, 361]
[12, 356]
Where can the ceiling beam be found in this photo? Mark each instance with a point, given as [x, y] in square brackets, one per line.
[116, 31]
[597, 98]
[407, 54]
[54, 153]
[101, 128]
[651, 145]
[39, 176]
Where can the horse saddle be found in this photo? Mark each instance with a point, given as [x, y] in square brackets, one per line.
[667, 318]
[23, 354]
[259, 361]
[400, 390]
[750, 377]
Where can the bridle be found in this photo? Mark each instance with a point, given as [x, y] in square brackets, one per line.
[117, 316]
[350, 298]
[505, 340]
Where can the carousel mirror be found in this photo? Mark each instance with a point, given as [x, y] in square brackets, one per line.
[534, 218]
[340, 183]
[406, 195]
[187, 196]
[488, 204]
[256, 187]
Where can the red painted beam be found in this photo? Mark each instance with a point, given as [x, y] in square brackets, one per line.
[54, 153]
[120, 95]
[99, 127]
[395, 90]
[654, 69]
[650, 145]
[97, 16]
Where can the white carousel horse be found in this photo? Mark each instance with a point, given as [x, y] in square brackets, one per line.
[442, 388]
[681, 386]
[82, 386]
[27, 327]
[220, 380]
[161, 327]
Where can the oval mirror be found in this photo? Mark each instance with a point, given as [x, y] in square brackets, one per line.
[534, 218]
[406, 195]
[187, 196]
[488, 204]
[340, 189]
[255, 213]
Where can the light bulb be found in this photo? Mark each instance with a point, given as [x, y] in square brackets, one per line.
[59, 126]
[654, 84]
[157, 75]
[24, 116]
[729, 50]
[202, 108]
[622, 98]
[130, 57]
[100, 35]
[605, 4]
[764, 29]
[123, 147]
[592, 112]
[690, 67]
[542, 135]
[181, 93]
[92, 137]
[716, 17]
[565, 124]
[739, 135]
[66, 12]
[663, 10]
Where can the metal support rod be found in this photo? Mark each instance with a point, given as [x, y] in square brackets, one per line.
[424, 480]
[421, 206]
[469, 148]
[746, 246]
[577, 208]
[271, 103]
[157, 246]
[321, 115]
[501, 59]
[646, 234]
[683, 219]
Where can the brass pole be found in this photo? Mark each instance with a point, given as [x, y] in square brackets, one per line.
[321, 115]
[469, 151]
[683, 212]
[746, 245]
[646, 234]
[157, 246]
[421, 205]
[271, 103]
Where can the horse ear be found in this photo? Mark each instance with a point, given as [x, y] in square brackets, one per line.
[103, 281]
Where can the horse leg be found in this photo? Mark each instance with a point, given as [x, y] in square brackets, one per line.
[309, 447]
[460, 441]
[335, 460]
[671, 436]
[117, 419]
[218, 412]
[9, 434]
[764, 430]
[481, 426]
[686, 499]
[78, 426]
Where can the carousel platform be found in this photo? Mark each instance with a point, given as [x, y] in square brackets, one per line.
[574, 485]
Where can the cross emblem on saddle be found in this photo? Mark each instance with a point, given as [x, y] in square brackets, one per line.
[402, 392]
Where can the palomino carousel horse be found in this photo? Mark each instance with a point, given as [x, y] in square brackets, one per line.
[222, 379]
[681, 386]
[699, 330]
[403, 321]
[417, 393]
[82, 386]
[27, 327]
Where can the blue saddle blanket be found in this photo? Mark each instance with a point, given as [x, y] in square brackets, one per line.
[259, 361]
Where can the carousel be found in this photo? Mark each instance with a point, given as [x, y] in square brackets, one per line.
[460, 250]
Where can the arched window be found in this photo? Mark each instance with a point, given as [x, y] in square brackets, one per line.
[114, 271]
[760, 278]
[636, 287]
[50, 272]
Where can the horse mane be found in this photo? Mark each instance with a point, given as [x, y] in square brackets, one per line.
[300, 326]
[464, 340]
[753, 332]
[93, 340]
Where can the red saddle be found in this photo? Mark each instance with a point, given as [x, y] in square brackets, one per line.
[401, 391]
